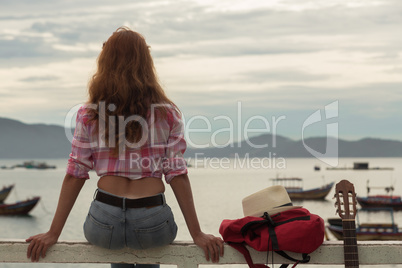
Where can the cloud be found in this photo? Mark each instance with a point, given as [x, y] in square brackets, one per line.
[285, 56]
[288, 75]
[24, 47]
[363, 100]
[188, 28]
[40, 78]
[266, 30]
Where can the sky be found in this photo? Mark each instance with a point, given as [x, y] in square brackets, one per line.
[247, 67]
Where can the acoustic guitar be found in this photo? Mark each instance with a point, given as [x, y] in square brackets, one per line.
[346, 209]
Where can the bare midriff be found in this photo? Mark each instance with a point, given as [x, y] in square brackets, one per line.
[132, 189]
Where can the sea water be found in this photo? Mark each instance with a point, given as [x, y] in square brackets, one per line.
[218, 188]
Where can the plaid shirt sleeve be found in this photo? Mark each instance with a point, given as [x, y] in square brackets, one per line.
[174, 163]
[80, 161]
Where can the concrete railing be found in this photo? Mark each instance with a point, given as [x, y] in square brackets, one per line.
[187, 255]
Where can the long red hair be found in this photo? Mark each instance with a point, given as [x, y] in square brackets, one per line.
[125, 80]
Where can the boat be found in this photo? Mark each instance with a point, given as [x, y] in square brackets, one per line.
[5, 167]
[335, 221]
[296, 192]
[5, 192]
[368, 231]
[35, 165]
[19, 208]
[381, 201]
[31, 165]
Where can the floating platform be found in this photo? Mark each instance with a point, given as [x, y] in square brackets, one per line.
[360, 166]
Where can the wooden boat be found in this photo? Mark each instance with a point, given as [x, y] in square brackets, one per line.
[296, 192]
[335, 221]
[381, 201]
[18, 208]
[368, 231]
[5, 192]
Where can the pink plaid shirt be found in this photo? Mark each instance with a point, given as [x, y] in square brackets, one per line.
[159, 152]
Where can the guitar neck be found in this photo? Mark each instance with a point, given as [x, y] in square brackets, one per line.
[350, 243]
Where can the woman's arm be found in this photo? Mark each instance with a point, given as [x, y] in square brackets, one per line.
[40, 243]
[209, 243]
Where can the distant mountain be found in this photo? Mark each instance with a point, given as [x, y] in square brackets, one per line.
[33, 141]
[285, 147]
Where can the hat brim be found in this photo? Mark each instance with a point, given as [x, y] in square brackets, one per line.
[274, 211]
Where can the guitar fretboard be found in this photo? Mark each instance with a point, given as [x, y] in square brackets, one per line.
[350, 243]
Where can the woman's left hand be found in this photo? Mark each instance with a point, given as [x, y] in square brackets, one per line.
[39, 244]
[212, 245]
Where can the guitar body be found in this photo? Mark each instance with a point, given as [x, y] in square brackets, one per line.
[346, 208]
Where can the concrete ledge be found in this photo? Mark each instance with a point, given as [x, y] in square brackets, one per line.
[187, 255]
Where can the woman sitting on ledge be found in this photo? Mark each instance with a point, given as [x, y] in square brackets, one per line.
[131, 134]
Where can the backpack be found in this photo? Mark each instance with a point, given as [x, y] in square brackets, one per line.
[295, 230]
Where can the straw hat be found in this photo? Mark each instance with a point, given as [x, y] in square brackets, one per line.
[272, 200]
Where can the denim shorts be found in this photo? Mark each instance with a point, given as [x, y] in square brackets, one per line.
[113, 227]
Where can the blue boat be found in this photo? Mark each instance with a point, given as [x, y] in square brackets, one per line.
[368, 231]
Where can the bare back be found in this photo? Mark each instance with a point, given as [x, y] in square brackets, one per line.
[133, 189]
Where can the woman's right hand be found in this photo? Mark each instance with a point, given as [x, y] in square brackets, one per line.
[39, 244]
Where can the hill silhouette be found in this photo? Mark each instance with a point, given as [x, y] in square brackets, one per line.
[33, 141]
[285, 147]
